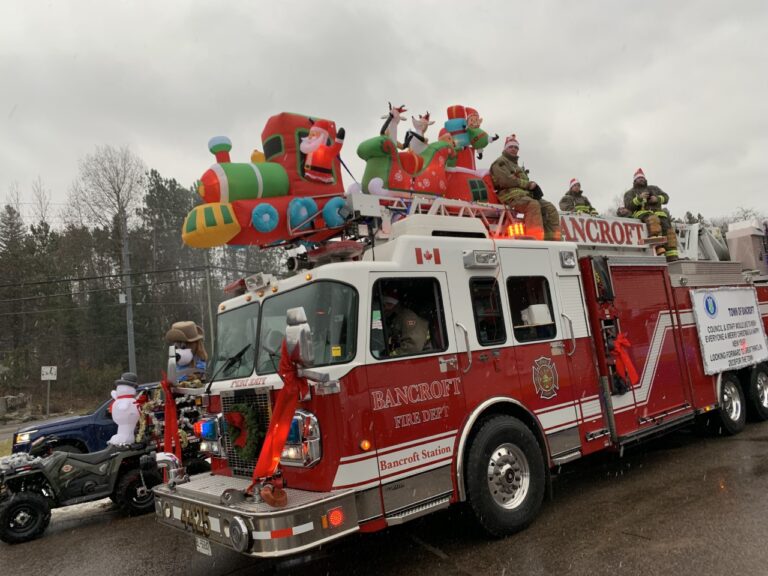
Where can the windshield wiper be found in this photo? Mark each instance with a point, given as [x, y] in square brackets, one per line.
[230, 362]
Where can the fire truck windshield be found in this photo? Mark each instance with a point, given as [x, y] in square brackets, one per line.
[331, 309]
[234, 330]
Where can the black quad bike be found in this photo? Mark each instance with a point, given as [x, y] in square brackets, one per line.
[30, 486]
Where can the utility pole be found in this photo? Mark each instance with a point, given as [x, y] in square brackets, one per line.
[211, 326]
[127, 286]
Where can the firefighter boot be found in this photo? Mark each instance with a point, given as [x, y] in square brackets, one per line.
[671, 244]
[655, 234]
[551, 221]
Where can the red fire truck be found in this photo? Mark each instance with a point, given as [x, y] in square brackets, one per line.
[450, 362]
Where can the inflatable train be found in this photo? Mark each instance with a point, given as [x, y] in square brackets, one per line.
[284, 194]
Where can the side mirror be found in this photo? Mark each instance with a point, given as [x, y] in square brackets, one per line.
[272, 342]
[171, 373]
[298, 337]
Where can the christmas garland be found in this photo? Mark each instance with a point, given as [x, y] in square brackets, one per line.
[246, 430]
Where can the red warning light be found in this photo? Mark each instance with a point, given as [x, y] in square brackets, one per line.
[336, 517]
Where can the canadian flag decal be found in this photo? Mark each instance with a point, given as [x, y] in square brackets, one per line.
[427, 256]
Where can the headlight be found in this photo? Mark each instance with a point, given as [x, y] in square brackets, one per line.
[23, 437]
[302, 448]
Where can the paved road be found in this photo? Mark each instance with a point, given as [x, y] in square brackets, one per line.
[682, 505]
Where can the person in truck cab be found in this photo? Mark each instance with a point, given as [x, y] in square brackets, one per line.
[190, 349]
[521, 194]
[407, 332]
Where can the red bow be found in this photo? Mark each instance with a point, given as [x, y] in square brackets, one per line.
[624, 365]
[282, 415]
[171, 442]
[237, 420]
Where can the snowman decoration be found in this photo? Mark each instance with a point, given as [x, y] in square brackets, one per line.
[125, 412]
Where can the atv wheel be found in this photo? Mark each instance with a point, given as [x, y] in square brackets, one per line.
[23, 517]
[130, 495]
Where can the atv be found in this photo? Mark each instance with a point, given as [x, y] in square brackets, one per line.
[30, 486]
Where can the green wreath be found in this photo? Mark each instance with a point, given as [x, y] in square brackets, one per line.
[254, 428]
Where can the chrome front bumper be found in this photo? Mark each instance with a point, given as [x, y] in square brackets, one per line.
[255, 528]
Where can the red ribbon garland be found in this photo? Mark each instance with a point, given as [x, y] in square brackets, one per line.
[624, 365]
[171, 442]
[282, 415]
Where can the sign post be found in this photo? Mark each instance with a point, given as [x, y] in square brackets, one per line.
[48, 373]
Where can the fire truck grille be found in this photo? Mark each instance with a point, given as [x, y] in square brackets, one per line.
[255, 412]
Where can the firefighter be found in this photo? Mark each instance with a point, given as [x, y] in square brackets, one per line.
[407, 332]
[190, 350]
[575, 201]
[521, 194]
[646, 204]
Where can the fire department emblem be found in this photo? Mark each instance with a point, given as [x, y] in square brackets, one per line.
[545, 378]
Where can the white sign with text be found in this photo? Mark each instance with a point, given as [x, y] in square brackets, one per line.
[730, 327]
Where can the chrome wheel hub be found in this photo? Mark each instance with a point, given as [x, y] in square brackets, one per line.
[509, 477]
[762, 389]
[21, 519]
[731, 401]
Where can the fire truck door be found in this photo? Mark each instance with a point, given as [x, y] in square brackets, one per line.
[645, 308]
[543, 338]
[414, 380]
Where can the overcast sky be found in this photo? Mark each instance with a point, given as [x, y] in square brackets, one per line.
[593, 89]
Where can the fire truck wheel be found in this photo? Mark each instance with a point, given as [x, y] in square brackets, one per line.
[757, 398]
[505, 476]
[732, 414]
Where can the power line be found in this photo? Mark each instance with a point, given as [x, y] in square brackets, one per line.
[47, 310]
[120, 275]
[60, 294]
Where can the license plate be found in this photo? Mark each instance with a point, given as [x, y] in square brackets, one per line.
[195, 517]
[203, 546]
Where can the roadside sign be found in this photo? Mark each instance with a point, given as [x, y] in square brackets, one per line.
[48, 372]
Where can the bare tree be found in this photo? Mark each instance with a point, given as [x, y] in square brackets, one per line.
[42, 200]
[107, 192]
[13, 197]
[110, 185]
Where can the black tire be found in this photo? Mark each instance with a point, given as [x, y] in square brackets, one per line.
[505, 476]
[732, 416]
[757, 398]
[198, 466]
[71, 448]
[127, 492]
[24, 517]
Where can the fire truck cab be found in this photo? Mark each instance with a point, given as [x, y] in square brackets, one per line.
[454, 364]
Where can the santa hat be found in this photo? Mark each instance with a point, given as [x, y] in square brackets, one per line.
[456, 111]
[511, 141]
[574, 181]
[324, 125]
[471, 111]
[639, 174]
